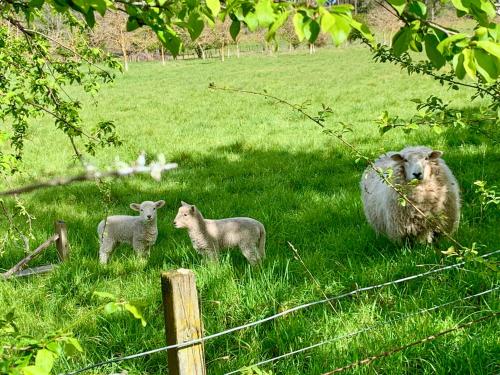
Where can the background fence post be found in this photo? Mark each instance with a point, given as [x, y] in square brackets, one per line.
[182, 322]
[62, 242]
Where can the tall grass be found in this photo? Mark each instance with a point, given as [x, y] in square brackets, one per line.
[244, 156]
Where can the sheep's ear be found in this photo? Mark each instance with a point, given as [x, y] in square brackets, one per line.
[184, 203]
[397, 157]
[191, 209]
[435, 154]
[135, 206]
[160, 203]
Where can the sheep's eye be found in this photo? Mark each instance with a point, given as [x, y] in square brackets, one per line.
[406, 161]
[185, 214]
[142, 210]
[154, 208]
[426, 158]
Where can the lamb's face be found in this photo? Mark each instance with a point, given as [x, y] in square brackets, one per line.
[185, 215]
[416, 164]
[147, 209]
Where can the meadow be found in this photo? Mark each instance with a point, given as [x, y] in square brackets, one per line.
[242, 155]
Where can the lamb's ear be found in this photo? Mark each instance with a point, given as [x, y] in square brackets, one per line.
[192, 209]
[135, 206]
[435, 154]
[160, 203]
[184, 203]
[397, 157]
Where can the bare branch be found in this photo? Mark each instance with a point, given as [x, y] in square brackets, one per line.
[91, 175]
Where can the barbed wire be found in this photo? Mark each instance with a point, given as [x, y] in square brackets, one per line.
[388, 353]
[366, 329]
[272, 317]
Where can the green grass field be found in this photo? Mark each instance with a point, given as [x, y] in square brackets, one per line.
[242, 155]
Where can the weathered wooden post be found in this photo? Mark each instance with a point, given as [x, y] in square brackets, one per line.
[62, 240]
[182, 322]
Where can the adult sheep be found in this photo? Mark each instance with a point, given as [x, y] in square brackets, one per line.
[428, 183]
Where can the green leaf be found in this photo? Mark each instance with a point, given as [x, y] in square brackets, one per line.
[486, 65]
[44, 360]
[418, 8]
[280, 20]
[340, 30]
[36, 3]
[136, 313]
[170, 40]
[460, 5]
[90, 18]
[490, 47]
[132, 24]
[298, 24]
[234, 29]
[99, 5]
[251, 21]
[112, 307]
[469, 62]
[33, 370]
[342, 9]
[399, 5]
[74, 343]
[431, 42]
[311, 30]
[105, 295]
[327, 21]
[214, 6]
[195, 25]
[445, 45]
[264, 13]
[401, 41]
[363, 29]
[458, 65]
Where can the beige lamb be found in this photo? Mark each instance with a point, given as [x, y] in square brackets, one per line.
[436, 194]
[139, 231]
[210, 236]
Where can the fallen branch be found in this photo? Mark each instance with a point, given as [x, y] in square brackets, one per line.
[30, 257]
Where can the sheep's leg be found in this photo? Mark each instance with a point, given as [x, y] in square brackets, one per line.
[212, 255]
[141, 249]
[250, 252]
[105, 250]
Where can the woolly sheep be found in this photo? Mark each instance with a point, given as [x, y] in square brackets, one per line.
[139, 231]
[435, 192]
[210, 236]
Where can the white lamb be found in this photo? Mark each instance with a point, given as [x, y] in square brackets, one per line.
[139, 231]
[210, 236]
[434, 190]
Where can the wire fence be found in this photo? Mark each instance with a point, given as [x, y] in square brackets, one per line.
[272, 317]
[388, 353]
[366, 329]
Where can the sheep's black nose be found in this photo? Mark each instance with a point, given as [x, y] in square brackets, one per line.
[418, 175]
[149, 216]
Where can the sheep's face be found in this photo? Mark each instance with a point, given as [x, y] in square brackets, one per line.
[147, 209]
[416, 165]
[185, 216]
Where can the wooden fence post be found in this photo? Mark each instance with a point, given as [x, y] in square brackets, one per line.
[182, 322]
[62, 241]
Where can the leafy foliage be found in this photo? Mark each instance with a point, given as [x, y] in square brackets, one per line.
[22, 354]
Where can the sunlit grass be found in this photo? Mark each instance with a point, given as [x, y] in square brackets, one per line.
[242, 155]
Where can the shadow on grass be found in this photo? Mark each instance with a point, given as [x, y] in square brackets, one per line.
[308, 198]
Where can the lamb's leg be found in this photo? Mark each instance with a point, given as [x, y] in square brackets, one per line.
[105, 250]
[212, 255]
[251, 253]
[141, 249]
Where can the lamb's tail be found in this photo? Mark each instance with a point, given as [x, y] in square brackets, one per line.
[262, 243]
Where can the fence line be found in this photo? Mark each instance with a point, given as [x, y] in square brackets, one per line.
[366, 329]
[388, 353]
[272, 317]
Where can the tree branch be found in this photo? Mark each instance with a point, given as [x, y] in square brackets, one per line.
[91, 175]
